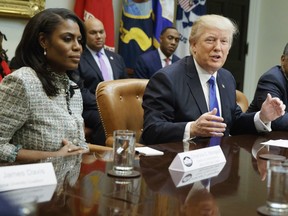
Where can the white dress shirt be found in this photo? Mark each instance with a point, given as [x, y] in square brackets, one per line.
[163, 57]
[105, 58]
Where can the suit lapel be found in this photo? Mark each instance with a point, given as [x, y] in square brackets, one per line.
[112, 63]
[223, 92]
[92, 63]
[174, 59]
[158, 61]
[194, 84]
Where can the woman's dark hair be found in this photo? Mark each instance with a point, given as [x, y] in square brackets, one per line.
[30, 53]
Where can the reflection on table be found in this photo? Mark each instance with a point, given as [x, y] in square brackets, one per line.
[85, 189]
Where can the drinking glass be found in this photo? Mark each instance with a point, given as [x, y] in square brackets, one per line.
[123, 153]
[278, 192]
[277, 199]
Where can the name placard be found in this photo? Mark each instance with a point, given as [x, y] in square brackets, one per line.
[196, 159]
[25, 176]
[185, 178]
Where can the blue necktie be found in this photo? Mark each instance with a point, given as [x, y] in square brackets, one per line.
[103, 67]
[214, 141]
[213, 103]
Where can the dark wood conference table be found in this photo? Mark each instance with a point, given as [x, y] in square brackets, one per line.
[238, 189]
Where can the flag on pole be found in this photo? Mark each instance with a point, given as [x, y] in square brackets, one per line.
[164, 14]
[187, 12]
[136, 31]
[102, 10]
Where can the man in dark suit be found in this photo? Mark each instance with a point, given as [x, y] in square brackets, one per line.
[91, 72]
[274, 81]
[150, 62]
[177, 98]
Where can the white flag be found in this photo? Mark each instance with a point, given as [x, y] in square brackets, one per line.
[187, 12]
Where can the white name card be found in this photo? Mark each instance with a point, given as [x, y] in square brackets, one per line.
[185, 178]
[279, 143]
[25, 176]
[195, 159]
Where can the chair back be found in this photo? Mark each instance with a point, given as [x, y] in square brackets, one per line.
[120, 106]
[242, 100]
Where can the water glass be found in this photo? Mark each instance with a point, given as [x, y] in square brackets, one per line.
[123, 152]
[278, 192]
[277, 200]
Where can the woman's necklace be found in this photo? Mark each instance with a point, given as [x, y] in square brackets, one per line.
[63, 85]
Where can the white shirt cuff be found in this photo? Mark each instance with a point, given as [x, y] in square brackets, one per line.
[186, 135]
[261, 126]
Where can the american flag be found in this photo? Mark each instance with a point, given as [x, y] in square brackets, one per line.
[186, 5]
[187, 12]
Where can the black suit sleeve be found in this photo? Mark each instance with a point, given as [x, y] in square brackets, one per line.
[273, 82]
[160, 125]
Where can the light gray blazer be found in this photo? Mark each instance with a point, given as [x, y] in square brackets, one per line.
[29, 119]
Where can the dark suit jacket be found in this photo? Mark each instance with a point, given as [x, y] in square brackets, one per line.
[275, 83]
[88, 76]
[174, 96]
[148, 63]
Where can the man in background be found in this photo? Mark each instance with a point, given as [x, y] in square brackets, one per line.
[96, 65]
[275, 82]
[150, 62]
